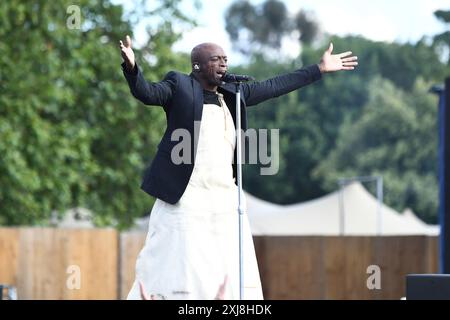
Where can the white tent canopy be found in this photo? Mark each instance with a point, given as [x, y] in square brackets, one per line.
[322, 216]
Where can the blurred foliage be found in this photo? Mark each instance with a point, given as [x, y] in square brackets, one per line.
[71, 135]
[377, 119]
[395, 137]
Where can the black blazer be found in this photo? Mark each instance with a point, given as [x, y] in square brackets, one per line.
[181, 96]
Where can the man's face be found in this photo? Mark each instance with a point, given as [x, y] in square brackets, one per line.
[213, 65]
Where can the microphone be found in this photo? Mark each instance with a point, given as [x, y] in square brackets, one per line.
[230, 78]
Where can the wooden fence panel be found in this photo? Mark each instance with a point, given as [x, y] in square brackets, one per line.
[48, 262]
[9, 252]
[36, 261]
[337, 267]
[131, 244]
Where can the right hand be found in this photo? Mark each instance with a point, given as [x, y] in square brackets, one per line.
[127, 53]
[221, 293]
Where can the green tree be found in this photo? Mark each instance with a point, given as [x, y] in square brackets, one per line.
[71, 134]
[395, 138]
[310, 119]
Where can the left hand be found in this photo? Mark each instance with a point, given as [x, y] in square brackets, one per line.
[335, 62]
[144, 295]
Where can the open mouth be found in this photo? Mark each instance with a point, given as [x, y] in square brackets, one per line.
[220, 74]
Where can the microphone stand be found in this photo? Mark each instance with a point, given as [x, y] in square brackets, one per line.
[237, 80]
[240, 190]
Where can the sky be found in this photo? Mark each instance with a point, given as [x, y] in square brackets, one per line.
[380, 20]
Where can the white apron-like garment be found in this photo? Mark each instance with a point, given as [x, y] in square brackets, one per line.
[192, 245]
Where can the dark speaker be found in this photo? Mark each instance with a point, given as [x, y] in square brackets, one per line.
[428, 287]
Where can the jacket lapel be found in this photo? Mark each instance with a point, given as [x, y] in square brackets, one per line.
[229, 93]
[197, 98]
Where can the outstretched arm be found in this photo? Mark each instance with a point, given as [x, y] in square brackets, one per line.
[150, 93]
[258, 92]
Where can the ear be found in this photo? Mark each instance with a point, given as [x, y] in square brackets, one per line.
[196, 66]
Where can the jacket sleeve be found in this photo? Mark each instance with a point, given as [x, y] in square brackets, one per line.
[258, 92]
[151, 93]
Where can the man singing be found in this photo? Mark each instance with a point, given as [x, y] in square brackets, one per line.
[192, 245]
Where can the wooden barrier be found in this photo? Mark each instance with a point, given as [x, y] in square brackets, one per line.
[45, 263]
[131, 244]
[337, 267]
[36, 261]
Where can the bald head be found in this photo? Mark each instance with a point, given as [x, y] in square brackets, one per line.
[202, 52]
